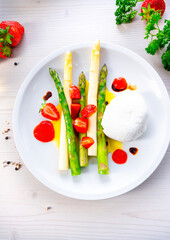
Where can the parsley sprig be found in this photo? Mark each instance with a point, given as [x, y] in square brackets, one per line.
[125, 12]
[166, 58]
[158, 38]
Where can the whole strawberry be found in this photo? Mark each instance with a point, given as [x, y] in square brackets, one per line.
[157, 5]
[5, 51]
[16, 31]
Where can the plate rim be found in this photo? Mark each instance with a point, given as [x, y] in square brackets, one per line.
[41, 64]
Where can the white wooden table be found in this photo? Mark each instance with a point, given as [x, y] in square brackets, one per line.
[143, 213]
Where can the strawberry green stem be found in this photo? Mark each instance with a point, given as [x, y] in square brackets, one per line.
[4, 34]
[6, 50]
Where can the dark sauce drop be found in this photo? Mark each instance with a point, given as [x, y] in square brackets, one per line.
[133, 150]
[116, 89]
[47, 96]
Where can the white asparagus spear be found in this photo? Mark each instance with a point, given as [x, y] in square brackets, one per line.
[63, 162]
[92, 97]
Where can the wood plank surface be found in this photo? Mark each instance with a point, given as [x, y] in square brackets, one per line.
[141, 214]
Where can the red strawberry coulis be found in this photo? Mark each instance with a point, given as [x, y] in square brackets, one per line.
[119, 156]
[44, 131]
[119, 84]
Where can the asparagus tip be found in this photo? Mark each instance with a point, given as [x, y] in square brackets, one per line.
[104, 68]
[53, 73]
[51, 70]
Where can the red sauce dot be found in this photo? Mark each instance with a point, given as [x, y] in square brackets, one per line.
[119, 156]
[44, 131]
[119, 84]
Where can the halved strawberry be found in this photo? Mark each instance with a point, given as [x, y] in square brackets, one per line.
[80, 124]
[49, 111]
[75, 108]
[88, 110]
[74, 92]
[87, 142]
[14, 31]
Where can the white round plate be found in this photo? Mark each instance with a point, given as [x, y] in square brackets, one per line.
[41, 158]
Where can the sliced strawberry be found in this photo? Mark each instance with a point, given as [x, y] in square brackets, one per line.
[88, 110]
[44, 131]
[87, 142]
[15, 31]
[5, 51]
[75, 108]
[80, 124]
[74, 92]
[49, 111]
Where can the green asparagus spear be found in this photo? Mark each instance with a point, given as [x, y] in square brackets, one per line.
[83, 156]
[72, 152]
[103, 167]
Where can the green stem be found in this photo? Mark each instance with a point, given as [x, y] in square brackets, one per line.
[83, 155]
[71, 141]
[103, 167]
